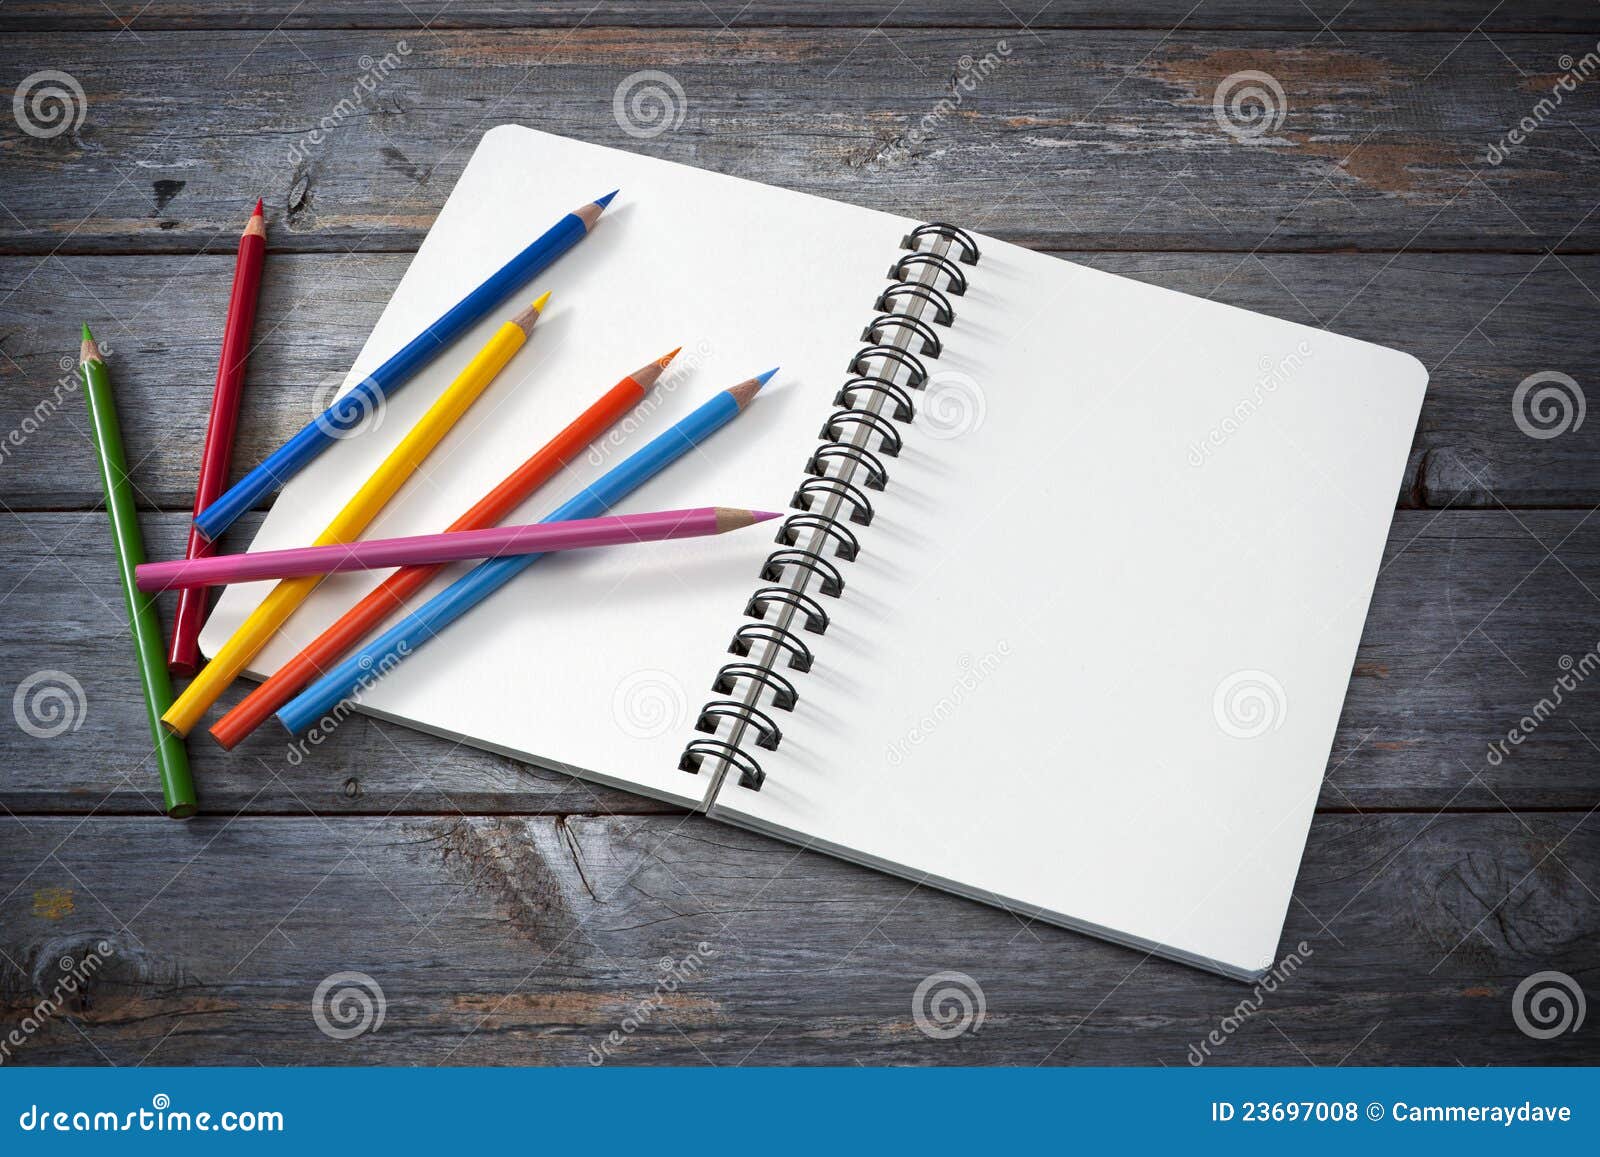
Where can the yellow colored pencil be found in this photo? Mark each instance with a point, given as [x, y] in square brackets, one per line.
[347, 525]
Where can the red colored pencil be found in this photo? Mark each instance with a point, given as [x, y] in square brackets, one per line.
[183, 656]
[389, 596]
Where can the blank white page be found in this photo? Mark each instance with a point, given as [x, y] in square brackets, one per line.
[596, 661]
[1090, 661]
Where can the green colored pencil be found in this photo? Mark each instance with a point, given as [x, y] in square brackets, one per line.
[172, 761]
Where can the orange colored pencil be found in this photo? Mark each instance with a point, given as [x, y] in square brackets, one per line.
[390, 595]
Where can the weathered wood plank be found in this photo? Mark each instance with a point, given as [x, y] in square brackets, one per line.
[1096, 139]
[62, 571]
[1437, 15]
[529, 941]
[1468, 632]
[1481, 323]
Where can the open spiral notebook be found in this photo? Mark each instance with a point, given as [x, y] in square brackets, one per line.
[1074, 574]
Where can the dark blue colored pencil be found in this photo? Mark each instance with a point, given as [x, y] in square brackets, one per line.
[346, 413]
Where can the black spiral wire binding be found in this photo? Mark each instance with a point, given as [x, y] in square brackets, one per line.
[884, 375]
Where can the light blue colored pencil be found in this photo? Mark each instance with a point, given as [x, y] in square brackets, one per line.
[347, 412]
[406, 637]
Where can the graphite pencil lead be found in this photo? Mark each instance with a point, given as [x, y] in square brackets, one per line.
[590, 213]
[524, 320]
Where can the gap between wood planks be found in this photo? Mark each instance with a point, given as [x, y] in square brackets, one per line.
[328, 245]
[92, 18]
[662, 813]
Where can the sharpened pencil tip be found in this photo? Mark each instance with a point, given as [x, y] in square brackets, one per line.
[524, 320]
[735, 518]
[765, 515]
[763, 379]
[747, 389]
[87, 336]
[590, 214]
[257, 213]
[647, 375]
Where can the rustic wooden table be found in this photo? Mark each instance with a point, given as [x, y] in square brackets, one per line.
[513, 916]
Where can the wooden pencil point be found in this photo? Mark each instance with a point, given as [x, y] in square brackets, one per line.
[735, 518]
[590, 213]
[524, 320]
[324, 430]
[648, 374]
[744, 391]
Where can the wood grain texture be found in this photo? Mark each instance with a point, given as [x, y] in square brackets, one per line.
[514, 915]
[529, 940]
[1094, 139]
[1437, 15]
[68, 590]
[1481, 323]
[1473, 615]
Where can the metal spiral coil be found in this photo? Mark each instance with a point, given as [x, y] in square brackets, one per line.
[877, 396]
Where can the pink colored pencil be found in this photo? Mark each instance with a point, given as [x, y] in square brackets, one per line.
[453, 546]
